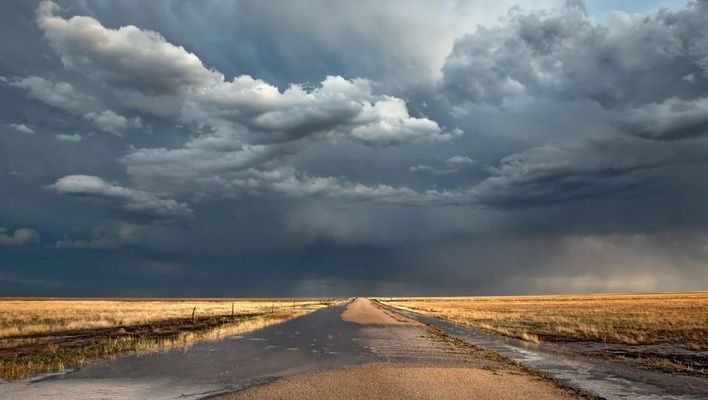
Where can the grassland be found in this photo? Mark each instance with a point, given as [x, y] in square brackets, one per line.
[673, 319]
[42, 335]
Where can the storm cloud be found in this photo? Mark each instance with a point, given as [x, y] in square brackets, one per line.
[561, 53]
[319, 148]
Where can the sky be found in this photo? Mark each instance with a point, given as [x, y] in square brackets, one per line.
[335, 148]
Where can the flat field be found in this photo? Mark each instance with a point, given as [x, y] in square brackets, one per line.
[650, 322]
[38, 335]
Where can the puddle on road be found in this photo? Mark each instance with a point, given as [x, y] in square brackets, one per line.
[206, 368]
[604, 378]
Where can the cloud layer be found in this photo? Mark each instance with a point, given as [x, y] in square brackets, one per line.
[315, 147]
[560, 53]
[20, 237]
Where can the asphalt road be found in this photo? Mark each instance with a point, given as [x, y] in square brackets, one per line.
[317, 340]
[320, 340]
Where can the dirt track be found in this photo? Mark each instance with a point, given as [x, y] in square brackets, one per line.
[401, 381]
[363, 311]
[421, 365]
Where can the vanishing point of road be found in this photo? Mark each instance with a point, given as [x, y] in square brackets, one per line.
[356, 350]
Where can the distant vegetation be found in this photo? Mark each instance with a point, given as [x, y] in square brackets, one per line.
[39, 335]
[677, 319]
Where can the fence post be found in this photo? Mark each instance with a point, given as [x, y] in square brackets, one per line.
[193, 311]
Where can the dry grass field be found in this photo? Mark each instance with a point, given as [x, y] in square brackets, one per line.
[678, 319]
[38, 335]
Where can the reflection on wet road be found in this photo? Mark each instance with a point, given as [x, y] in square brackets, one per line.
[607, 379]
[318, 340]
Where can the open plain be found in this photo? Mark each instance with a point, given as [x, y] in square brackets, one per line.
[666, 331]
[356, 349]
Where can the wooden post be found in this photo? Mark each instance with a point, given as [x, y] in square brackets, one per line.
[193, 311]
[232, 310]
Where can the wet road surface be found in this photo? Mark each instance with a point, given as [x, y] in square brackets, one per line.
[320, 340]
[317, 340]
[611, 380]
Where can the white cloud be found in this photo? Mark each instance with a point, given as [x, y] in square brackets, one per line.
[249, 123]
[22, 128]
[65, 97]
[337, 108]
[292, 183]
[108, 121]
[68, 138]
[127, 56]
[457, 160]
[20, 237]
[61, 95]
[431, 169]
[132, 202]
[253, 110]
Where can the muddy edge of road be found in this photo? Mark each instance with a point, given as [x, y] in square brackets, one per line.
[491, 355]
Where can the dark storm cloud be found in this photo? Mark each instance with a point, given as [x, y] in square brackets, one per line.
[672, 119]
[155, 238]
[647, 72]
[623, 61]
[104, 239]
[325, 148]
[587, 169]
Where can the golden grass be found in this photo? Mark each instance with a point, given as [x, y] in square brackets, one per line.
[675, 318]
[22, 317]
[49, 335]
